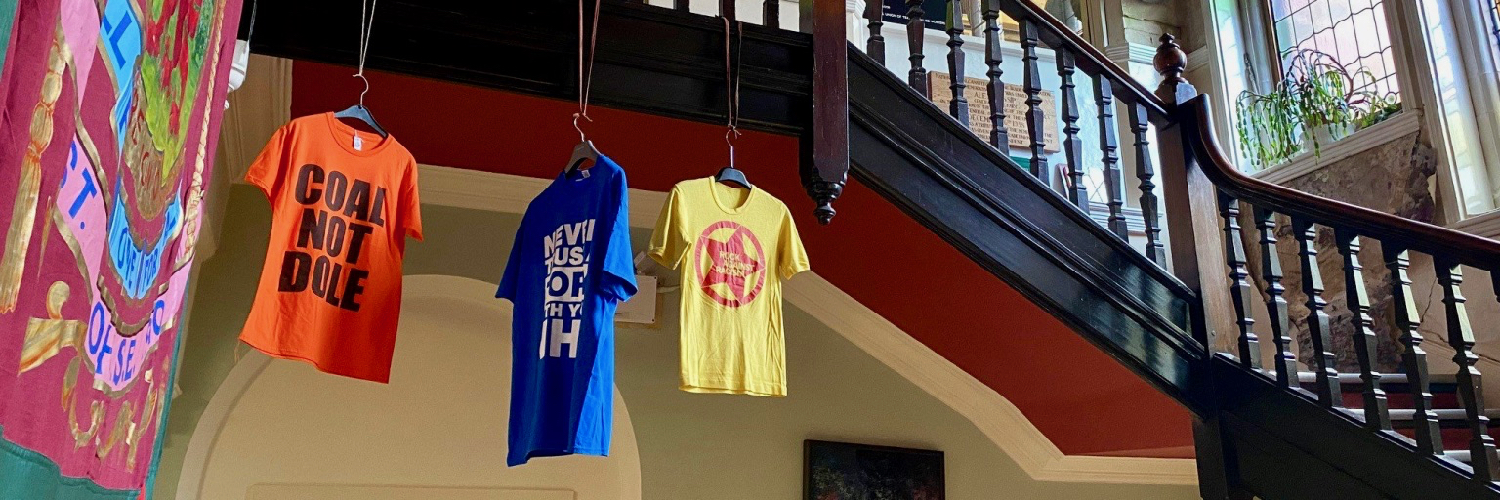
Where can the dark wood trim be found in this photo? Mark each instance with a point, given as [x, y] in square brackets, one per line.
[1289, 447]
[650, 59]
[824, 178]
[1465, 248]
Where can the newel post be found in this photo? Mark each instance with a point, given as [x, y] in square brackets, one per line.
[1197, 250]
[1191, 201]
[828, 141]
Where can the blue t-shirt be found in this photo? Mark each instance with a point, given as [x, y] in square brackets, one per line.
[571, 264]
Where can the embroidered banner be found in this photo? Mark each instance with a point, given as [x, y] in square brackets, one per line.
[111, 111]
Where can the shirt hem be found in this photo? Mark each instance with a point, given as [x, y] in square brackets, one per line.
[314, 362]
[554, 452]
[743, 391]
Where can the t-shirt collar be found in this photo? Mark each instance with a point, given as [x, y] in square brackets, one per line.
[342, 133]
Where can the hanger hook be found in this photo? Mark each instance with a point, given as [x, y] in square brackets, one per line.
[361, 75]
[581, 137]
[729, 139]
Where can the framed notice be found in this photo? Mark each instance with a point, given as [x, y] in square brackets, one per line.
[851, 471]
[1015, 110]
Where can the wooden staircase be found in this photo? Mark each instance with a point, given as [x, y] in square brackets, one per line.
[1292, 430]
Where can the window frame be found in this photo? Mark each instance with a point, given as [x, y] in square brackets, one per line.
[1410, 23]
[1473, 103]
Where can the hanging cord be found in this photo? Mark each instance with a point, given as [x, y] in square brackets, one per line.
[732, 85]
[366, 25]
[585, 73]
[250, 33]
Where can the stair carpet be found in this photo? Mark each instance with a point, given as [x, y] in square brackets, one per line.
[1452, 417]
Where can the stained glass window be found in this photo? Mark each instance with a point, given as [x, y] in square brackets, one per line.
[1352, 31]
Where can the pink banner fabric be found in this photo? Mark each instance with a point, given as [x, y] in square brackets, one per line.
[110, 116]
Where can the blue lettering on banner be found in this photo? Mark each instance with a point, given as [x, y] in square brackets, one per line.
[120, 36]
[138, 268]
[98, 338]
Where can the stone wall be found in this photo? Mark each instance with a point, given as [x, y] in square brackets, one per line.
[1391, 178]
[1146, 20]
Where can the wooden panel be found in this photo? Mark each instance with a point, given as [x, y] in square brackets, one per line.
[997, 214]
[1289, 447]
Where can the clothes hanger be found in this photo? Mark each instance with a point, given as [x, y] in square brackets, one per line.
[730, 174]
[584, 150]
[362, 113]
[359, 111]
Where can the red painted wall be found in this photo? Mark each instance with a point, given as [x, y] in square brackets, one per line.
[1084, 401]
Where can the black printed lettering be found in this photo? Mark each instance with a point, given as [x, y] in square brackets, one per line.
[358, 206]
[309, 177]
[353, 288]
[313, 229]
[335, 243]
[294, 268]
[357, 234]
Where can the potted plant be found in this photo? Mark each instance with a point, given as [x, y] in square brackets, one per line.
[1315, 103]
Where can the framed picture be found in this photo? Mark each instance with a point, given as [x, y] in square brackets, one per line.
[850, 471]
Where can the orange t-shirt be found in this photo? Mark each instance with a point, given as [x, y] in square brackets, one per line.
[342, 203]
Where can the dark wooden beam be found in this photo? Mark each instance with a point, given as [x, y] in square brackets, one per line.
[650, 59]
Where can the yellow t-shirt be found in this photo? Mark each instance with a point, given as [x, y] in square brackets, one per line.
[728, 241]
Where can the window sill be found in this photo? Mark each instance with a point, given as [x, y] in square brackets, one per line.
[1402, 124]
[1486, 224]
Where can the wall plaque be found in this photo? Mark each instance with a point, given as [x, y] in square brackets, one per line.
[1015, 110]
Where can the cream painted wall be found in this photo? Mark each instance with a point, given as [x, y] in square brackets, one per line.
[440, 422]
[692, 446]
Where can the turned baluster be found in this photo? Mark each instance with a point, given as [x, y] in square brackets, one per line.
[772, 12]
[1072, 146]
[1145, 172]
[1276, 304]
[1376, 416]
[1414, 359]
[959, 106]
[1035, 118]
[1325, 366]
[1239, 282]
[875, 45]
[1484, 460]
[995, 88]
[915, 30]
[1109, 144]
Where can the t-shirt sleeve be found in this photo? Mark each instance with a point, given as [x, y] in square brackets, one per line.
[618, 280]
[668, 244]
[269, 167]
[507, 288]
[411, 203]
[791, 256]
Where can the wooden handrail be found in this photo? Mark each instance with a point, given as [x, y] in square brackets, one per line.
[1088, 58]
[1196, 116]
